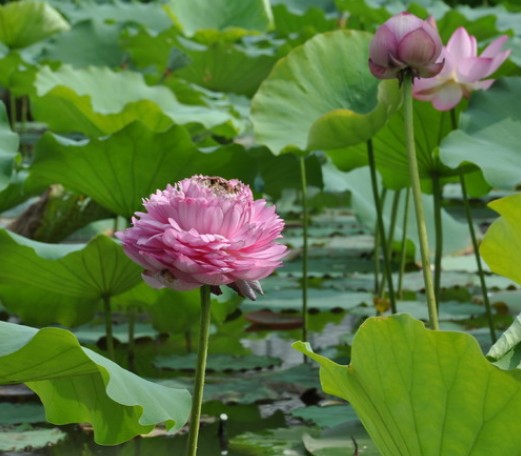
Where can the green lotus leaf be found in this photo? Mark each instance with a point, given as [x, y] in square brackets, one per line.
[9, 142]
[77, 385]
[489, 135]
[119, 171]
[194, 15]
[501, 246]
[423, 392]
[294, 16]
[98, 101]
[90, 271]
[322, 96]
[27, 22]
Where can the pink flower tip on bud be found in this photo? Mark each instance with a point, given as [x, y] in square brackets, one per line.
[405, 44]
[205, 231]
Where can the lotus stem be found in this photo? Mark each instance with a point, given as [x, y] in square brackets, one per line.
[417, 197]
[381, 227]
[305, 218]
[438, 229]
[403, 252]
[202, 354]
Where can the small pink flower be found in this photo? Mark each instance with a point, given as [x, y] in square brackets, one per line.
[463, 71]
[205, 231]
[405, 43]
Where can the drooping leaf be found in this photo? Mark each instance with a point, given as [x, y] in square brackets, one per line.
[316, 99]
[421, 392]
[98, 101]
[194, 15]
[97, 269]
[489, 135]
[27, 22]
[77, 385]
[119, 171]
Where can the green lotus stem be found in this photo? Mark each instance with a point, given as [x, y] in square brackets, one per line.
[417, 197]
[484, 291]
[403, 251]
[380, 223]
[108, 326]
[438, 229]
[376, 257]
[13, 110]
[305, 218]
[202, 354]
[390, 234]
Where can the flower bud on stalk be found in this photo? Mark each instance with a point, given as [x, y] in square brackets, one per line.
[403, 44]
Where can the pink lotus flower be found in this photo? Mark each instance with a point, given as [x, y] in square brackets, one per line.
[405, 43]
[205, 231]
[463, 71]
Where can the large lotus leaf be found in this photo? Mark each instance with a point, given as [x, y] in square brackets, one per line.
[87, 43]
[423, 392]
[489, 135]
[501, 246]
[227, 67]
[430, 127]
[39, 307]
[27, 22]
[358, 182]
[119, 171]
[322, 96]
[194, 15]
[77, 385]
[98, 101]
[97, 269]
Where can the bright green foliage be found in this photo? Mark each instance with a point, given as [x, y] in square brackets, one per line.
[194, 15]
[489, 135]
[421, 392]
[89, 271]
[117, 172]
[76, 385]
[501, 247]
[27, 22]
[97, 101]
[9, 142]
[314, 99]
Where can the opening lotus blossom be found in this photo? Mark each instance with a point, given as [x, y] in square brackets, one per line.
[405, 43]
[205, 231]
[463, 71]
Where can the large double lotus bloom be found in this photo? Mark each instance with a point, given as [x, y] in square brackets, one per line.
[205, 231]
[463, 71]
[405, 43]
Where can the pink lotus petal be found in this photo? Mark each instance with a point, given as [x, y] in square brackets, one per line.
[462, 44]
[448, 98]
[473, 69]
[494, 48]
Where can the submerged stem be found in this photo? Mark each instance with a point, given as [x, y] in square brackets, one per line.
[380, 224]
[417, 197]
[202, 354]
[305, 217]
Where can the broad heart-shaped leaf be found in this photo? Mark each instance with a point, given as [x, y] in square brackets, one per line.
[420, 392]
[322, 96]
[98, 101]
[489, 135]
[27, 22]
[194, 15]
[118, 171]
[501, 246]
[77, 385]
[97, 269]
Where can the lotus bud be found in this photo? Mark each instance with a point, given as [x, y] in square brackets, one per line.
[404, 44]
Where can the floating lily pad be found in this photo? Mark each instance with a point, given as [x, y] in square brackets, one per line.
[24, 437]
[326, 416]
[21, 413]
[217, 363]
